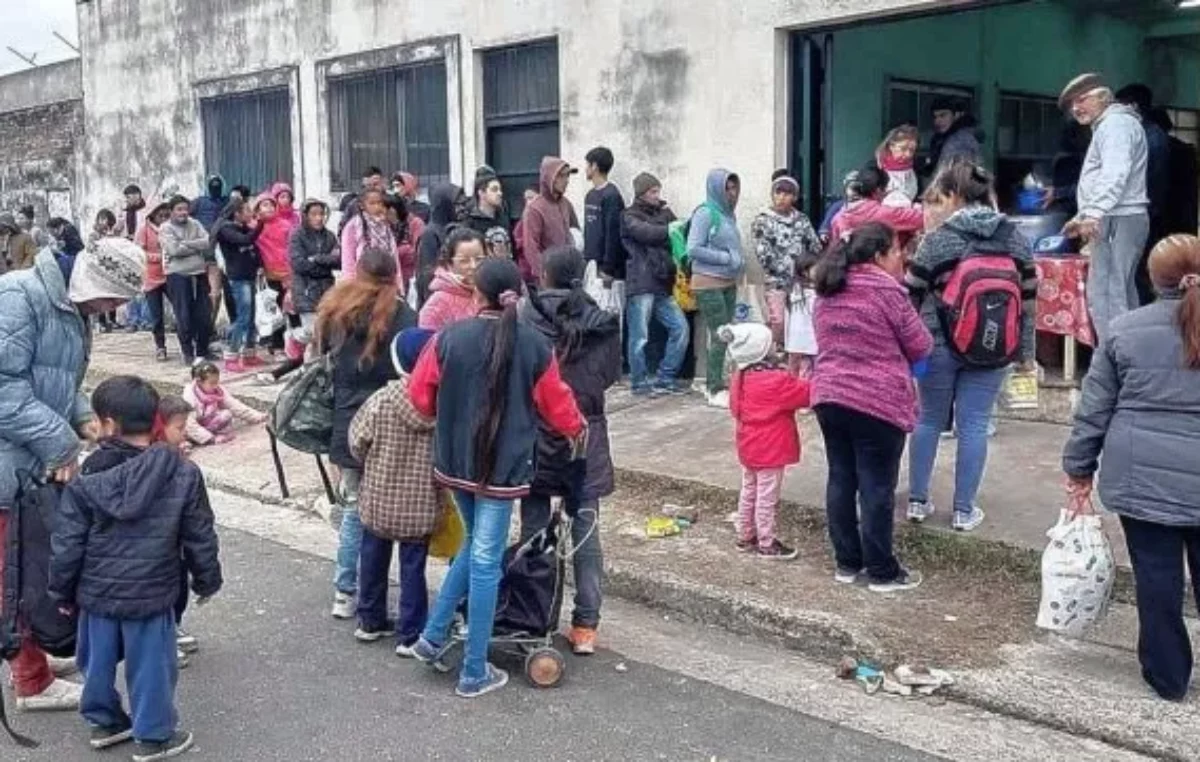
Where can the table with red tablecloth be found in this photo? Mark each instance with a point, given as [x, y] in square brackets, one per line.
[1062, 304]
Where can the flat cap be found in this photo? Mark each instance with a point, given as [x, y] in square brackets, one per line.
[1081, 85]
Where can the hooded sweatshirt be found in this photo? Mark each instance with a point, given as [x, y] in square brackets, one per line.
[716, 249]
[288, 212]
[1113, 180]
[443, 200]
[207, 208]
[781, 242]
[450, 300]
[122, 527]
[972, 229]
[273, 241]
[548, 219]
[185, 247]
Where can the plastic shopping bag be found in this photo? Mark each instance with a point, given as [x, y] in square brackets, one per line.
[1077, 575]
[448, 535]
[268, 317]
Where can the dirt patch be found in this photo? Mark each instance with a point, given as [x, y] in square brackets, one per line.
[976, 596]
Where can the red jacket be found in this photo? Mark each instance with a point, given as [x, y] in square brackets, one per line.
[908, 219]
[764, 402]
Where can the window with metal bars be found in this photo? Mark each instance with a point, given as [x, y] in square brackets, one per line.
[248, 137]
[520, 114]
[395, 119]
[1029, 127]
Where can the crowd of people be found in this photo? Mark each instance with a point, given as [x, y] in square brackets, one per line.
[473, 356]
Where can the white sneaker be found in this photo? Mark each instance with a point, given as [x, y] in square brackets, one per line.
[61, 696]
[907, 580]
[62, 667]
[182, 660]
[845, 576]
[186, 642]
[719, 399]
[919, 510]
[343, 606]
[405, 652]
[968, 522]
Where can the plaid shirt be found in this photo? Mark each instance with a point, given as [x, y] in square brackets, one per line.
[398, 499]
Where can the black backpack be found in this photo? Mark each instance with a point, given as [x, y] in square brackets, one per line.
[27, 556]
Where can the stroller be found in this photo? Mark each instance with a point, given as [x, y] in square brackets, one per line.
[529, 602]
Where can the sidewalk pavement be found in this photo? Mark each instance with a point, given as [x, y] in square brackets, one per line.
[681, 438]
[974, 614]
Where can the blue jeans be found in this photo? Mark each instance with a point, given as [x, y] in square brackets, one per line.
[374, 562]
[588, 559]
[151, 671]
[241, 333]
[666, 312]
[474, 575]
[345, 579]
[973, 393]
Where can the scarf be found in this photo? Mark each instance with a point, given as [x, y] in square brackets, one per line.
[211, 403]
[377, 234]
[889, 163]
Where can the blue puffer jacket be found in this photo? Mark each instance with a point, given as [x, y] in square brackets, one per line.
[44, 345]
[1140, 414]
[122, 528]
[716, 250]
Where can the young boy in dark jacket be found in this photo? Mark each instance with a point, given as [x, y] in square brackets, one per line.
[122, 527]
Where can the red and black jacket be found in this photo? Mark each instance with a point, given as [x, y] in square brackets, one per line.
[448, 382]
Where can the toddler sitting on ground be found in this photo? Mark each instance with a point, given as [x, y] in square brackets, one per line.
[214, 410]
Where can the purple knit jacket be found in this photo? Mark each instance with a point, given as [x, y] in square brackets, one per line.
[869, 336]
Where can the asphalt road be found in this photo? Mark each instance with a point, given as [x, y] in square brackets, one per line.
[277, 679]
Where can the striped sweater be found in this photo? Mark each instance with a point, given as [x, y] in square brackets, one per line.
[973, 228]
[869, 337]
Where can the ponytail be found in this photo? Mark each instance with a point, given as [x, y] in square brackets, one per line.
[564, 269]
[859, 247]
[1189, 325]
[499, 282]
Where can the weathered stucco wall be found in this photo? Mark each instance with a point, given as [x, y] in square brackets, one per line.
[41, 123]
[671, 87]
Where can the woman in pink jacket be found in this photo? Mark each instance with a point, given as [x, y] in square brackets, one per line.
[871, 341]
[369, 228]
[871, 187]
[452, 290]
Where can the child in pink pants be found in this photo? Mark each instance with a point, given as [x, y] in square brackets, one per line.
[763, 399]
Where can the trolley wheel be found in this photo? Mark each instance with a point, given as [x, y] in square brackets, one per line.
[544, 667]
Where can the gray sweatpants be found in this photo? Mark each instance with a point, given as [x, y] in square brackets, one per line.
[1112, 270]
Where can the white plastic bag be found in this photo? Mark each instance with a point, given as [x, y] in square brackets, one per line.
[1077, 575]
[607, 299]
[268, 317]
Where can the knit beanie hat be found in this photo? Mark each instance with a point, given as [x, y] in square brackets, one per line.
[749, 343]
[111, 269]
[407, 347]
[644, 182]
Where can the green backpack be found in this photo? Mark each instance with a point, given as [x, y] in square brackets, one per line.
[678, 232]
[302, 416]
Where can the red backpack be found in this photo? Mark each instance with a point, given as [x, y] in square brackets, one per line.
[980, 309]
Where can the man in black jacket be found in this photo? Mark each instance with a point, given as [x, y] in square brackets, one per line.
[650, 281]
[122, 528]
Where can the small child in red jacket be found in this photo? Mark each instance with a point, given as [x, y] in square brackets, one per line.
[764, 399]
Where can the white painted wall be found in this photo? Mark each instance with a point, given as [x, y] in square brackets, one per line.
[671, 87]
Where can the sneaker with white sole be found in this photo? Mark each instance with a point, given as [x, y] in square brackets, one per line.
[343, 606]
[405, 651]
[182, 660]
[427, 653]
[175, 746]
[845, 576]
[62, 667]
[919, 510]
[60, 696]
[371, 633]
[185, 641]
[968, 522]
[718, 399]
[494, 680]
[905, 581]
[106, 738]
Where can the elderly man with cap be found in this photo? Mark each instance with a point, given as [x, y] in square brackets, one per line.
[650, 285]
[1112, 197]
[43, 414]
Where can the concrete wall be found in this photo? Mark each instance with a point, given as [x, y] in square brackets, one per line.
[41, 124]
[671, 87]
[1032, 48]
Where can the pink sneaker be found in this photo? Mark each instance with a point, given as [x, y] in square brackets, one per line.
[251, 361]
[234, 365]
